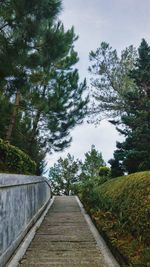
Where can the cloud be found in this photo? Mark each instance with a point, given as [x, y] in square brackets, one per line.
[119, 22]
[103, 137]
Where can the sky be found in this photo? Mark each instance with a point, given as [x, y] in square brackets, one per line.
[118, 22]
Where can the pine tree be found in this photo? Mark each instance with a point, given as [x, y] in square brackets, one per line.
[110, 81]
[24, 27]
[38, 80]
[134, 152]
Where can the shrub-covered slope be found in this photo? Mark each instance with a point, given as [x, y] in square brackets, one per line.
[121, 210]
[14, 160]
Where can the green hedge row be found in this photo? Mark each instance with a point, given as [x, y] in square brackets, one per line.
[128, 197]
[13, 160]
[121, 209]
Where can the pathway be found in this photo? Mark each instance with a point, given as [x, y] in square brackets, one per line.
[64, 239]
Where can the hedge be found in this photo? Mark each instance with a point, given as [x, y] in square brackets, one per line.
[128, 198]
[13, 160]
[121, 209]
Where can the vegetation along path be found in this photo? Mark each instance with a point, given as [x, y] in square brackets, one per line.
[64, 239]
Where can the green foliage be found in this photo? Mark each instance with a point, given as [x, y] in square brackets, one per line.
[122, 94]
[73, 175]
[104, 171]
[104, 175]
[93, 161]
[116, 167]
[13, 160]
[63, 175]
[128, 198]
[121, 211]
[41, 98]
[110, 81]
[134, 152]
[85, 191]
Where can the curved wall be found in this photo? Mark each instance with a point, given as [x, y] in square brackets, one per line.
[22, 200]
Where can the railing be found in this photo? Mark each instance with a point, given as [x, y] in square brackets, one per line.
[22, 200]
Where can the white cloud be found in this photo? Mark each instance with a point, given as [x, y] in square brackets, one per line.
[103, 137]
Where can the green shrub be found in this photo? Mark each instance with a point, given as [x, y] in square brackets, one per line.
[86, 193]
[120, 208]
[128, 198]
[13, 160]
[104, 171]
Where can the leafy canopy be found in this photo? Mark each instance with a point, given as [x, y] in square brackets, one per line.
[93, 161]
[122, 93]
[41, 98]
[63, 175]
[110, 81]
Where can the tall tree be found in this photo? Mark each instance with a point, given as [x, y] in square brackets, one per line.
[63, 175]
[110, 81]
[134, 152]
[38, 82]
[93, 161]
[122, 92]
[24, 27]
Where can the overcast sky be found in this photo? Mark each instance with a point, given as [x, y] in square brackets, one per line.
[118, 22]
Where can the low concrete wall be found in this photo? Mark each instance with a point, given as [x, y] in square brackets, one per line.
[22, 200]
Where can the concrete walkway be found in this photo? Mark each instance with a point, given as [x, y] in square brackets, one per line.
[64, 239]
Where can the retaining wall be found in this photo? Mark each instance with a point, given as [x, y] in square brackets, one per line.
[22, 201]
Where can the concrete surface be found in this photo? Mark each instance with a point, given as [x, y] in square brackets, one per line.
[64, 239]
[21, 250]
[109, 259]
[22, 200]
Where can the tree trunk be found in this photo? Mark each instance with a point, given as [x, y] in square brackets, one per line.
[35, 123]
[13, 117]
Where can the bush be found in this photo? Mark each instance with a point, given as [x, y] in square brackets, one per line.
[104, 171]
[128, 198]
[13, 160]
[121, 209]
[86, 193]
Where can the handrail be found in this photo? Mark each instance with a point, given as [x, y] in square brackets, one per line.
[7, 180]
